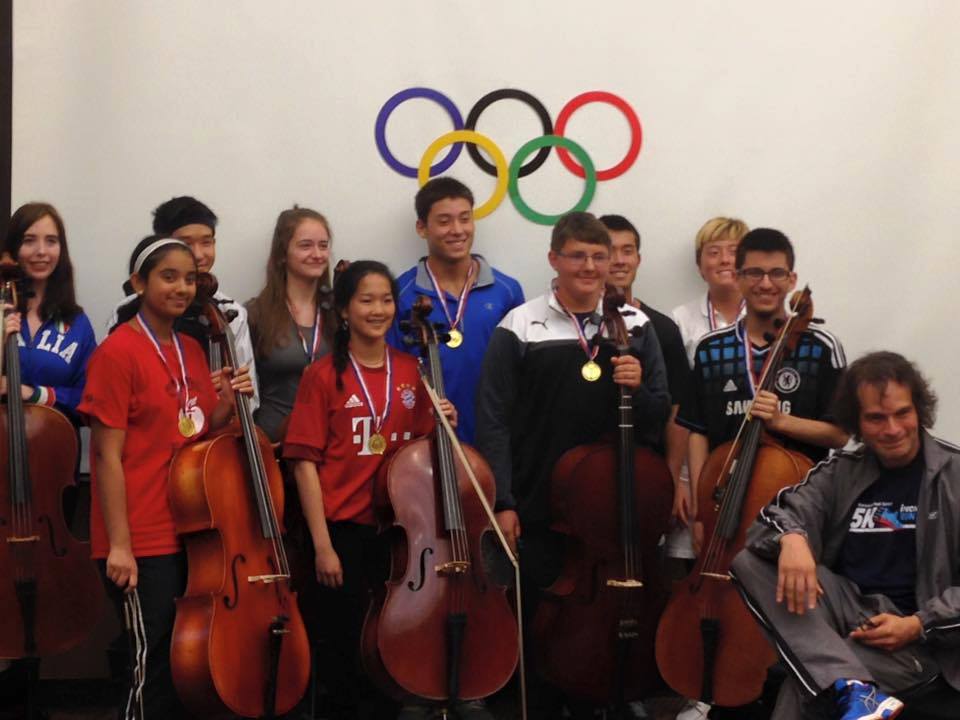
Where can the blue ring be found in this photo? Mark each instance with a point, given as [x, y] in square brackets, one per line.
[390, 105]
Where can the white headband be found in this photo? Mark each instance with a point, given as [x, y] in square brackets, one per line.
[145, 253]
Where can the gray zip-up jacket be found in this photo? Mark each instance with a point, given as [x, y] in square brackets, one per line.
[820, 507]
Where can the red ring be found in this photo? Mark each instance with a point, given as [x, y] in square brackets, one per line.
[635, 131]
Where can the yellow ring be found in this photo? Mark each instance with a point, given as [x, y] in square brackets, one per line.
[471, 136]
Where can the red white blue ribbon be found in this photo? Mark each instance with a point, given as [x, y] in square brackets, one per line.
[378, 420]
[452, 322]
[181, 383]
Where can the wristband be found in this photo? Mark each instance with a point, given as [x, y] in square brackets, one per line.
[35, 395]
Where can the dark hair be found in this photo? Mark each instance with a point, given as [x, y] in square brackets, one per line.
[344, 288]
[127, 311]
[269, 313]
[618, 223]
[59, 297]
[437, 189]
[179, 212]
[580, 226]
[878, 369]
[764, 240]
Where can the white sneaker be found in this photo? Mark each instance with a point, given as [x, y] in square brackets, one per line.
[694, 710]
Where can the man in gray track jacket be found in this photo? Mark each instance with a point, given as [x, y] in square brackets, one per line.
[855, 572]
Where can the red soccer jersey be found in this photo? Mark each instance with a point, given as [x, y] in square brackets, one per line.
[332, 427]
[129, 388]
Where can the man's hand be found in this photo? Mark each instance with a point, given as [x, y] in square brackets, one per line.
[509, 523]
[766, 406]
[797, 574]
[627, 371]
[888, 632]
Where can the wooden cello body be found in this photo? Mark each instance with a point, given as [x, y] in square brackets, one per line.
[709, 646]
[594, 638]
[594, 627]
[442, 630]
[50, 593]
[239, 645]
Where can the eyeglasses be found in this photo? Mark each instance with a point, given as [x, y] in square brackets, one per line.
[754, 275]
[580, 258]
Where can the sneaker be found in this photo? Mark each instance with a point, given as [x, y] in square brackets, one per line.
[694, 710]
[863, 701]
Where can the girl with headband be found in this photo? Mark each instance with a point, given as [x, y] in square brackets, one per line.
[289, 324]
[149, 392]
[352, 406]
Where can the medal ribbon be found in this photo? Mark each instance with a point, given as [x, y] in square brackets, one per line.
[752, 379]
[378, 420]
[581, 337]
[453, 322]
[180, 384]
[712, 313]
[311, 353]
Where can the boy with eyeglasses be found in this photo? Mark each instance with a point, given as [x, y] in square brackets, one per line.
[547, 386]
[729, 362]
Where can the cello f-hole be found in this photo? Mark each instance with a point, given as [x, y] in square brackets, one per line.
[229, 603]
[51, 536]
[415, 587]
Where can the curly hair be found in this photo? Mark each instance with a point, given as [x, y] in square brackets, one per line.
[878, 369]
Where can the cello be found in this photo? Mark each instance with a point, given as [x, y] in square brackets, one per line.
[41, 562]
[442, 630]
[594, 628]
[709, 646]
[239, 645]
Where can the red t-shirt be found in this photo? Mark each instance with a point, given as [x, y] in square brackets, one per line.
[332, 428]
[128, 388]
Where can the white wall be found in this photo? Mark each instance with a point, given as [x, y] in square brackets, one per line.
[835, 122]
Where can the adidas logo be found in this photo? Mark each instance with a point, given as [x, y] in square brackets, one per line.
[731, 386]
[353, 402]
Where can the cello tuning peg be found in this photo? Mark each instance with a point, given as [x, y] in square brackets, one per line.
[817, 321]
[409, 341]
[769, 337]
[231, 315]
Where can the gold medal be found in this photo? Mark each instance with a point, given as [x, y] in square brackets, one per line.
[591, 371]
[456, 339]
[377, 444]
[186, 425]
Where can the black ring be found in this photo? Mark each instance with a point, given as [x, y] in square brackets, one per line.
[509, 94]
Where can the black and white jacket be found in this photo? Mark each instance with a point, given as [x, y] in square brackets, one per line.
[533, 404]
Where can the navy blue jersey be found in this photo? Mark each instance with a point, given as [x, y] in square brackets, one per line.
[880, 550]
[492, 297]
[721, 393]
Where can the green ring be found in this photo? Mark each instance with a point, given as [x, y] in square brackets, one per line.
[590, 177]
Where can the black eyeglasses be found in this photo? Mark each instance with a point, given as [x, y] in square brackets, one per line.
[777, 275]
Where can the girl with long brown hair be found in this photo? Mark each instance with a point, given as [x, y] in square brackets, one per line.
[290, 319]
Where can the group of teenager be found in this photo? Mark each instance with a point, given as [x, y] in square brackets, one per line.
[832, 567]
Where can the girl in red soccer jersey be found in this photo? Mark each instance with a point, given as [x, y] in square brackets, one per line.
[352, 406]
[149, 392]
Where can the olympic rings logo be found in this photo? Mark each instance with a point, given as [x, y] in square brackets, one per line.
[508, 176]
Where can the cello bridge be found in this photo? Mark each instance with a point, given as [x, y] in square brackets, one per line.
[454, 567]
[629, 584]
[266, 579]
[717, 576]
[25, 539]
